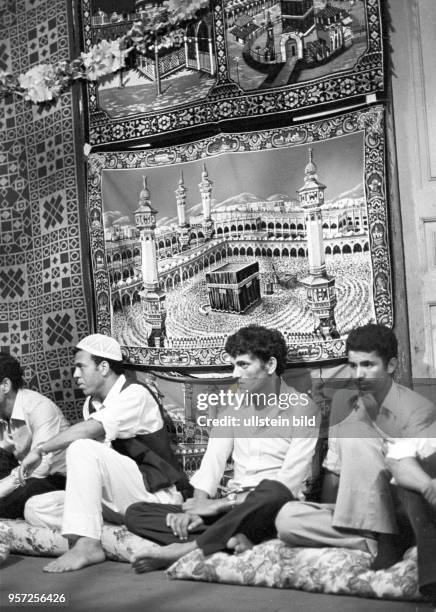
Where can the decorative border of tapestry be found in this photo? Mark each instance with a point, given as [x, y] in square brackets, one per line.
[284, 227]
[235, 60]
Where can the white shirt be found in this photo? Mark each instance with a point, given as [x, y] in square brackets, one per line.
[127, 413]
[34, 420]
[419, 448]
[256, 456]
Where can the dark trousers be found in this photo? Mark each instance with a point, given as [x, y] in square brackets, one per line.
[7, 463]
[423, 519]
[254, 518]
[12, 506]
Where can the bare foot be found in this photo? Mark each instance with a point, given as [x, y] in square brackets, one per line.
[86, 551]
[239, 543]
[150, 558]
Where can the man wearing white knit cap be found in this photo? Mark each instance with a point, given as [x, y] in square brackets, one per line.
[119, 454]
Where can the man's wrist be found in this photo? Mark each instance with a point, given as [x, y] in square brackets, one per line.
[426, 484]
[232, 499]
[39, 449]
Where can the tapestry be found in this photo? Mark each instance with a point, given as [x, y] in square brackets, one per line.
[233, 60]
[43, 311]
[284, 227]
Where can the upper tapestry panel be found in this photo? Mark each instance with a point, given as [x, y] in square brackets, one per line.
[231, 60]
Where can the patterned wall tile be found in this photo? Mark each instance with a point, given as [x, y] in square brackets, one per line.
[43, 309]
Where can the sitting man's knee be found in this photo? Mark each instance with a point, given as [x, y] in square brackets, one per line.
[287, 520]
[132, 513]
[83, 445]
[45, 509]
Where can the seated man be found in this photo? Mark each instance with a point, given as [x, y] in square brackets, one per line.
[363, 514]
[412, 462]
[272, 454]
[30, 419]
[118, 455]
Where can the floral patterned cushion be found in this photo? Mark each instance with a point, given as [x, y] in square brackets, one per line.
[319, 570]
[5, 542]
[117, 541]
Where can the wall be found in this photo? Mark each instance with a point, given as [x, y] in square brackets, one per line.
[43, 310]
[414, 103]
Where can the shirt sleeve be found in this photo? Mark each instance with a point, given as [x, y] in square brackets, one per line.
[344, 404]
[9, 483]
[297, 465]
[332, 461]
[129, 413]
[420, 419]
[212, 467]
[411, 447]
[44, 420]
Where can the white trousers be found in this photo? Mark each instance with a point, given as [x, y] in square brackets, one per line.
[97, 477]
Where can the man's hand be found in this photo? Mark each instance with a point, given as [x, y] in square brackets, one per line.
[202, 507]
[30, 463]
[429, 493]
[182, 523]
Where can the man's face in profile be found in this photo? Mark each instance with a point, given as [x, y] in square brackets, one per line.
[87, 373]
[252, 373]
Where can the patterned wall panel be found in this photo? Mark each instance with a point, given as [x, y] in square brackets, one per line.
[42, 295]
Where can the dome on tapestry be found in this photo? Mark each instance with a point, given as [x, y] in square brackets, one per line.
[311, 167]
[145, 194]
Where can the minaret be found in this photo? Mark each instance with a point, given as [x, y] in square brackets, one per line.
[269, 45]
[183, 228]
[152, 296]
[206, 192]
[321, 292]
[311, 199]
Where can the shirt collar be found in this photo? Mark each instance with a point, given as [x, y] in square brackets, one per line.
[390, 403]
[18, 409]
[113, 392]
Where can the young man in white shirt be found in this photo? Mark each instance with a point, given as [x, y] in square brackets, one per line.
[272, 454]
[29, 419]
[118, 455]
[412, 462]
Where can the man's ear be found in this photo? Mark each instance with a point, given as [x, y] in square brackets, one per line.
[392, 365]
[104, 367]
[271, 365]
[6, 385]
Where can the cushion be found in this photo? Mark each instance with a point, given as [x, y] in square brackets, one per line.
[319, 570]
[117, 541]
[5, 542]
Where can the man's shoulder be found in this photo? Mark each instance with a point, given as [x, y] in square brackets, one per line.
[410, 398]
[417, 410]
[142, 391]
[30, 398]
[132, 384]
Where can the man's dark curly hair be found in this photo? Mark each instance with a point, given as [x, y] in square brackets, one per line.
[373, 337]
[261, 342]
[10, 368]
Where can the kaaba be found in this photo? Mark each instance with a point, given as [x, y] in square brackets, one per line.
[233, 287]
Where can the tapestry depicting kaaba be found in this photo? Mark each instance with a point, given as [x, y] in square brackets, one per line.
[284, 227]
[233, 60]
